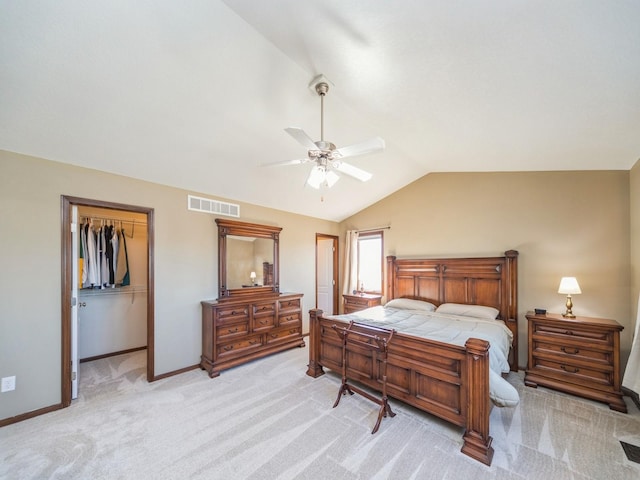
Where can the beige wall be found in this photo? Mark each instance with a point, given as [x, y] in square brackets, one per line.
[562, 223]
[185, 268]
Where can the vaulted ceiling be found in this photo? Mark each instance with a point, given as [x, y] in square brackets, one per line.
[196, 94]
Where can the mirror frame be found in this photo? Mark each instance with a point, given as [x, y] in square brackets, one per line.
[244, 229]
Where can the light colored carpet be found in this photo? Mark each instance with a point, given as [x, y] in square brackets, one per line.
[268, 420]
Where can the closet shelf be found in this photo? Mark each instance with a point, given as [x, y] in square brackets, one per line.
[90, 292]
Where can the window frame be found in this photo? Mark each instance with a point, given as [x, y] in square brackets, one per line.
[368, 235]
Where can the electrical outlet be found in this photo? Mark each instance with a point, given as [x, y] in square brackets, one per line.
[8, 384]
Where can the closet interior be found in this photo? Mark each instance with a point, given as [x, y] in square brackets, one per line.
[112, 282]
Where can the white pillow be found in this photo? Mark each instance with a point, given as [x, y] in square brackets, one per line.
[410, 304]
[476, 311]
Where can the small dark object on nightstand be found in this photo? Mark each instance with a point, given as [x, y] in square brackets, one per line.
[540, 311]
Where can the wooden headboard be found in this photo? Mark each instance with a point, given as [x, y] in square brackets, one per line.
[491, 281]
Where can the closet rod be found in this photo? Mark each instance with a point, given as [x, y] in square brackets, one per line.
[111, 219]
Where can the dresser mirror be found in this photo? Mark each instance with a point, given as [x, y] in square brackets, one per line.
[247, 258]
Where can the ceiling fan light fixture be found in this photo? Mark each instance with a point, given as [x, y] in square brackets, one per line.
[321, 177]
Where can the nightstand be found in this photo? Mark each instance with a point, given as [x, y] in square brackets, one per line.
[357, 302]
[578, 355]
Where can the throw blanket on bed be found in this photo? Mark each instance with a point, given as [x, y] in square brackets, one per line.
[451, 329]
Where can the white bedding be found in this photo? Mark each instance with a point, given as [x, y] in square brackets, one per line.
[455, 330]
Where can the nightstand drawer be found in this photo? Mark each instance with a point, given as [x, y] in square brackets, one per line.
[355, 303]
[562, 334]
[572, 352]
[573, 373]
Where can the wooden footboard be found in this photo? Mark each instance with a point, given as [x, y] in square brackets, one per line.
[445, 380]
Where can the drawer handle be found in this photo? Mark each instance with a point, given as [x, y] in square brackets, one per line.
[290, 318]
[253, 342]
[565, 350]
[568, 332]
[233, 330]
[274, 335]
[263, 322]
[292, 331]
[263, 308]
[570, 369]
[228, 348]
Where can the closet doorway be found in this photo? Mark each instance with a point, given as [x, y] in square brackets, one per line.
[138, 289]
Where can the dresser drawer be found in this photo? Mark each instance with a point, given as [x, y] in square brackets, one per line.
[283, 334]
[292, 318]
[264, 309]
[289, 304]
[263, 322]
[239, 347]
[230, 330]
[232, 314]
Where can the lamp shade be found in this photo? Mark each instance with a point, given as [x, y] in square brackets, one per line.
[252, 276]
[569, 286]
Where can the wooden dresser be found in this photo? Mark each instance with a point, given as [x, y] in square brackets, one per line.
[357, 302]
[578, 355]
[237, 330]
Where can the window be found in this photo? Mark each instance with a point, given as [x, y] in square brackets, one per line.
[370, 263]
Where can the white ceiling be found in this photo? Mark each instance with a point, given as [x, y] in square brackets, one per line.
[196, 94]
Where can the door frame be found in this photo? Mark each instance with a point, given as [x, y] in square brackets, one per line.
[66, 204]
[336, 290]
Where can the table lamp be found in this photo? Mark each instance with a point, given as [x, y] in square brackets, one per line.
[569, 286]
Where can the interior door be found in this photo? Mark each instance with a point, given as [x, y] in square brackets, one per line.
[74, 302]
[326, 274]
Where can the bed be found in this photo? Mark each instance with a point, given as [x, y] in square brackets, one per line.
[449, 380]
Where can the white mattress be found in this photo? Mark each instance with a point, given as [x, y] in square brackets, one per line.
[455, 330]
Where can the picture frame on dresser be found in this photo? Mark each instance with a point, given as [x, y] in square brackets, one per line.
[248, 322]
[579, 355]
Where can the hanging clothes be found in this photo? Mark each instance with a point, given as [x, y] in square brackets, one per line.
[122, 262]
[104, 257]
[115, 246]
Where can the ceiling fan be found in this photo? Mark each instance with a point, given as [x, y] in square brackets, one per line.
[328, 159]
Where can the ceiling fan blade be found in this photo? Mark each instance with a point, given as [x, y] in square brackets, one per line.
[302, 138]
[352, 171]
[285, 163]
[369, 146]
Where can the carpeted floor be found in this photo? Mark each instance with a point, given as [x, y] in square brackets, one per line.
[268, 420]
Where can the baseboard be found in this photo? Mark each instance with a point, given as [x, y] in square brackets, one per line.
[112, 354]
[174, 372]
[26, 416]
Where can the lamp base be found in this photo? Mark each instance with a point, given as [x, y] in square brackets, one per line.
[569, 305]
